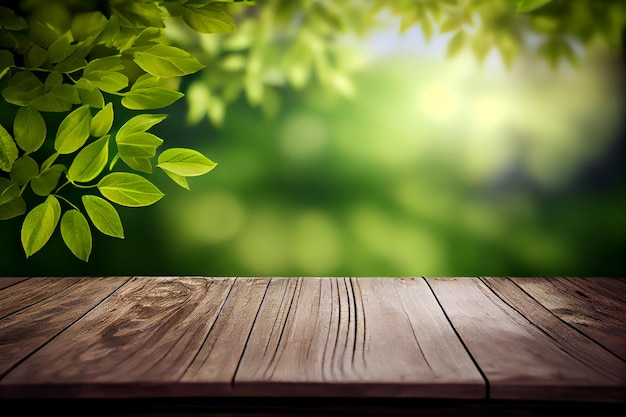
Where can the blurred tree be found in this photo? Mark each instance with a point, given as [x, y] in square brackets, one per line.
[67, 68]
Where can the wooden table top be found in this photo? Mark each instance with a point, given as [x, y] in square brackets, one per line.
[539, 339]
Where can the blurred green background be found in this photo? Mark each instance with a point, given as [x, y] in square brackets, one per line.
[434, 166]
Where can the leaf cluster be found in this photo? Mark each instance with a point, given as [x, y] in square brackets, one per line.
[83, 63]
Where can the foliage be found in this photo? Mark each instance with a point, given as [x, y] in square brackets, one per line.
[85, 64]
[70, 70]
[283, 44]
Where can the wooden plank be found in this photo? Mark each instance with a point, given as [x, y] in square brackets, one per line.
[8, 281]
[218, 358]
[28, 292]
[137, 343]
[596, 307]
[28, 329]
[519, 359]
[355, 337]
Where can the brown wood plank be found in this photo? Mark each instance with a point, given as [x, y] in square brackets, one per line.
[218, 358]
[8, 281]
[28, 329]
[355, 337]
[138, 342]
[596, 307]
[31, 291]
[520, 360]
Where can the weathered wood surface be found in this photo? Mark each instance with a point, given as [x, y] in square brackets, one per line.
[466, 338]
[524, 350]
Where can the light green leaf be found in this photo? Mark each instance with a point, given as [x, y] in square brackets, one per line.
[185, 162]
[525, 6]
[47, 180]
[6, 62]
[167, 61]
[102, 121]
[11, 203]
[139, 123]
[129, 190]
[59, 99]
[36, 56]
[150, 98]
[8, 150]
[178, 179]
[39, 225]
[211, 18]
[73, 131]
[10, 21]
[89, 93]
[90, 161]
[61, 48]
[104, 74]
[138, 145]
[24, 168]
[29, 128]
[76, 234]
[23, 88]
[456, 44]
[138, 164]
[103, 215]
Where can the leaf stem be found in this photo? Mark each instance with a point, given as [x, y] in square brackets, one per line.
[67, 201]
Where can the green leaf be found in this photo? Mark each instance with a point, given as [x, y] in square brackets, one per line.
[8, 190]
[456, 44]
[11, 203]
[104, 74]
[185, 162]
[129, 190]
[138, 145]
[59, 99]
[89, 93]
[73, 131]
[39, 225]
[76, 234]
[178, 179]
[10, 21]
[138, 164]
[36, 56]
[23, 88]
[89, 24]
[140, 123]
[61, 48]
[8, 150]
[6, 62]
[29, 128]
[150, 98]
[47, 180]
[167, 61]
[138, 14]
[90, 161]
[102, 121]
[525, 6]
[24, 168]
[211, 18]
[103, 215]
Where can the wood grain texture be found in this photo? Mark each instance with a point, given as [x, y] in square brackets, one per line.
[138, 342]
[594, 306]
[355, 337]
[24, 294]
[24, 331]
[219, 356]
[519, 359]
[8, 281]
